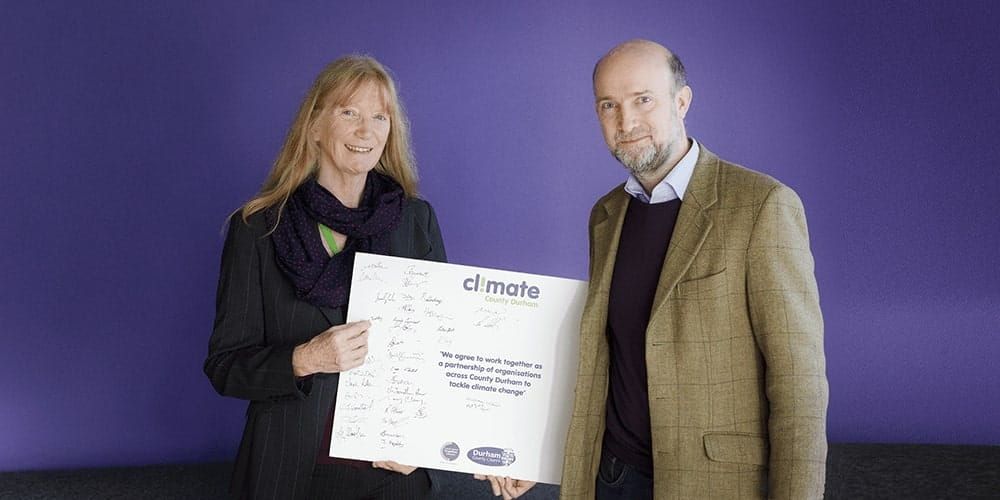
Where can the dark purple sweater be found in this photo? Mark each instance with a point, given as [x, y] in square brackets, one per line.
[641, 250]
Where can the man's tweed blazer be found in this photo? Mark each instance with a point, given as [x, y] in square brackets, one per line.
[734, 346]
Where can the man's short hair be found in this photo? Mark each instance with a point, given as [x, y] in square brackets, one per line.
[673, 62]
[677, 69]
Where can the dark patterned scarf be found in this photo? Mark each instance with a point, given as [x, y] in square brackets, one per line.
[318, 278]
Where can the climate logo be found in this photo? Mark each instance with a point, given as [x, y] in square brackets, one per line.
[491, 456]
[482, 285]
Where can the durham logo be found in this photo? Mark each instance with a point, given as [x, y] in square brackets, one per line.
[491, 456]
[483, 285]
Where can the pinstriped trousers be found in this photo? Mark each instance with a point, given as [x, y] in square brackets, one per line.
[336, 481]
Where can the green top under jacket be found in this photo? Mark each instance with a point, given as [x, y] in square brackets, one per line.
[734, 346]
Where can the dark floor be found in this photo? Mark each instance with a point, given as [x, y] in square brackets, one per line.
[854, 471]
[917, 472]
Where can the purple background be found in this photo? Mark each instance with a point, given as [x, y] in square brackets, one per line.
[130, 130]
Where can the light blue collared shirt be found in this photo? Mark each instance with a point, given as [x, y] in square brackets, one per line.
[673, 185]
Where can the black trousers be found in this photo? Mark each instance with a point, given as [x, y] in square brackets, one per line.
[617, 480]
[335, 482]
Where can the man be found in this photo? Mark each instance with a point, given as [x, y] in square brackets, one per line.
[702, 372]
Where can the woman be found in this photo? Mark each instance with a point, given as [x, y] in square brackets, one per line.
[343, 182]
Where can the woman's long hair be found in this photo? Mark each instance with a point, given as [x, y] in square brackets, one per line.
[297, 160]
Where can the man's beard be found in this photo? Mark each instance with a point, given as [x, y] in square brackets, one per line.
[644, 161]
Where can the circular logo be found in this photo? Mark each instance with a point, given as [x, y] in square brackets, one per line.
[450, 451]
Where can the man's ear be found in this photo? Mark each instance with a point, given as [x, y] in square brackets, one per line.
[682, 100]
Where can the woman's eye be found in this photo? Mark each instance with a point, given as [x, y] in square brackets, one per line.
[381, 117]
[348, 113]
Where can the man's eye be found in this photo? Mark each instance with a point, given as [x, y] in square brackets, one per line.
[605, 106]
[645, 99]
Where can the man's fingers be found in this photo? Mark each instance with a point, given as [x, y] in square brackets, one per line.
[523, 488]
[495, 484]
[508, 487]
[507, 484]
[516, 487]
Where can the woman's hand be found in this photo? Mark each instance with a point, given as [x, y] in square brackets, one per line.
[337, 349]
[509, 488]
[393, 466]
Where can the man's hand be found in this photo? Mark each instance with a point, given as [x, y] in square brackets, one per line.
[505, 486]
[393, 466]
[337, 349]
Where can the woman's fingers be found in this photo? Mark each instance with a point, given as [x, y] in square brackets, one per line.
[347, 345]
[336, 349]
[393, 466]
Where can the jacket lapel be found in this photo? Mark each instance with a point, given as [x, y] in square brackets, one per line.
[692, 227]
[606, 233]
[333, 316]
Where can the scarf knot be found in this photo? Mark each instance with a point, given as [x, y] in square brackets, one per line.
[318, 278]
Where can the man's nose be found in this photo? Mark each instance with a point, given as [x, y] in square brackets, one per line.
[627, 120]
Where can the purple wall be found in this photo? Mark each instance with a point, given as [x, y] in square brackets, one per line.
[129, 131]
